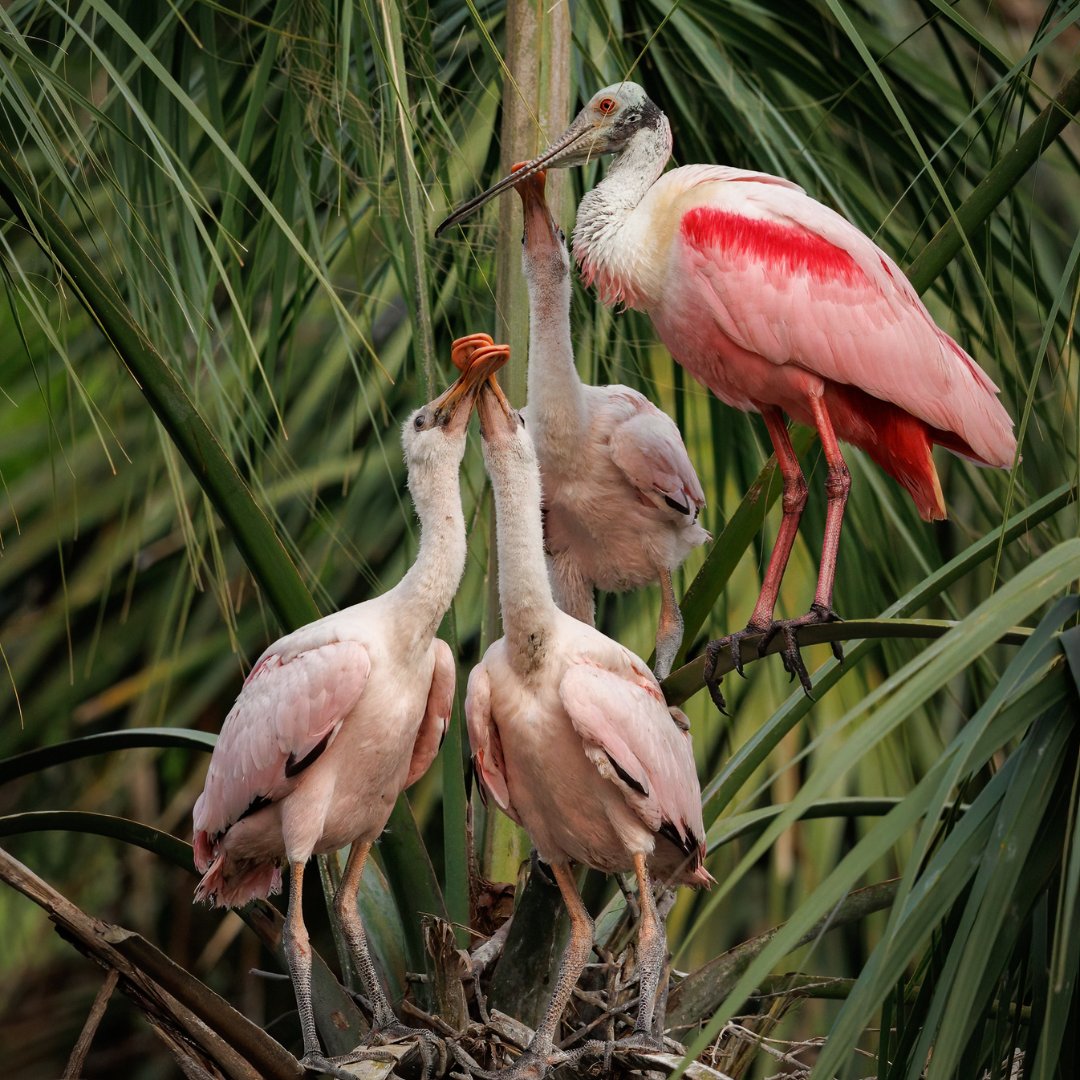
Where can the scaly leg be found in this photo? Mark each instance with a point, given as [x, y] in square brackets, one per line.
[651, 954]
[298, 953]
[573, 594]
[385, 1025]
[538, 1058]
[794, 500]
[353, 928]
[837, 486]
[669, 631]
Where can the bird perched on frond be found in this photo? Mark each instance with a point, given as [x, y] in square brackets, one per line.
[779, 305]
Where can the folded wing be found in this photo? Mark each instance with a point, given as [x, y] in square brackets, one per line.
[649, 451]
[635, 742]
[290, 709]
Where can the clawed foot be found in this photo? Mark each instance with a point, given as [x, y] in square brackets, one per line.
[644, 1041]
[432, 1048]
[324, 1066]
[529, 1065]
[790, 654]
[733, 642]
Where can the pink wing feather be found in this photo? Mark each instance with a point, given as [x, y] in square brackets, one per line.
[634, 741]
[290, 708]
[485, 742]
[649, 450]
[436, 720]
[788, 279]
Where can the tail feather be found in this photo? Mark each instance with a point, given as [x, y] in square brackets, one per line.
[899, 442]
[699, 877]
[230, 884]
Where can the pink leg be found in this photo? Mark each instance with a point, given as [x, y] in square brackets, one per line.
[540, 1056]
[837, 486]
[794, 500]
[385, 1026]
[651, 954]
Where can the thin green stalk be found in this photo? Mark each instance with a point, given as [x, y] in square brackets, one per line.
[702, 991]
[413, 230]
[255, 537]
[996, 185]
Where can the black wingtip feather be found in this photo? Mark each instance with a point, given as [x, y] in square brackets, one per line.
[625, 777]
[293, 767]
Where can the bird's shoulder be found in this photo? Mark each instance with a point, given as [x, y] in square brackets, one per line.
[590, 649]
[691, 178]
[359, 624]
[615, 398]
[764, 217]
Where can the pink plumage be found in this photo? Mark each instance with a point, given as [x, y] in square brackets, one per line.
[292, 705]
[335, 720]
[585, 754]
[780, 306]
[621, 497]
[572, 738]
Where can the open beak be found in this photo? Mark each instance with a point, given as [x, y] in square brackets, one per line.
[583, 139]
[497, 418]
[541, 232]
[479, 362]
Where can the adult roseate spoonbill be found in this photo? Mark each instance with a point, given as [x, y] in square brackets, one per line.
[572, 739]
[779, 305]
[336, 719]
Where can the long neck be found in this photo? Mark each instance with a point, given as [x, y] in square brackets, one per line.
[556, 396]
[528, 609]
[423, 595]
[609, 252]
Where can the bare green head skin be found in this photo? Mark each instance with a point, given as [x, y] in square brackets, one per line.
[606, 125]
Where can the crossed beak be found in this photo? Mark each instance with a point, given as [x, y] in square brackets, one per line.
[493, 408]
[453, 408]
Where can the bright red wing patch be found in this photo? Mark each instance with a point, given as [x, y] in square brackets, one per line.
[787, 248]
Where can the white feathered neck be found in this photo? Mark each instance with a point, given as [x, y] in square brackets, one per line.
[528, 609]
[614, 246]
[420, 600]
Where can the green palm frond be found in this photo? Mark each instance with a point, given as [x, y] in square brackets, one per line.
[237, 200]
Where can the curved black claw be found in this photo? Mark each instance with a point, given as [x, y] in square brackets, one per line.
[324, 1066]
[529, 1065]
[790, 654]
[733, 643]
[432, 1048]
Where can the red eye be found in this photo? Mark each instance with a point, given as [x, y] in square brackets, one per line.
[606, 105]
